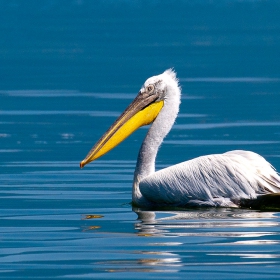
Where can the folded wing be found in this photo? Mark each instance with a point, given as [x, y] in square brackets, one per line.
[214, 180]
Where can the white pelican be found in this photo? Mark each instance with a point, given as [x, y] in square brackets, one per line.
[213, 180]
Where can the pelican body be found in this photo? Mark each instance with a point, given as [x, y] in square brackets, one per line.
[214, 180]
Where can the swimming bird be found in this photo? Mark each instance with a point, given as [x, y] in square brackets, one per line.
[213, 180]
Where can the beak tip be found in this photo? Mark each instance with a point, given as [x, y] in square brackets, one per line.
[82, 164]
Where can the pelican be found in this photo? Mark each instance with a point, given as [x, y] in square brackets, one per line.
[220, 180]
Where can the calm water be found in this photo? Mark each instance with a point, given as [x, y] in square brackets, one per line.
[68, 69]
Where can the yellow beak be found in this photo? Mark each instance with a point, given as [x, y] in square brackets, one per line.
[142, 111]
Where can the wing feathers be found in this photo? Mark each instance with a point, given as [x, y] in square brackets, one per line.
[215, 180]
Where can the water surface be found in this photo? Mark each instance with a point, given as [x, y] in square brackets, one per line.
[67, 72]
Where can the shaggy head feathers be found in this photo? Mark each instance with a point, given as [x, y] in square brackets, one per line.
[165, 83]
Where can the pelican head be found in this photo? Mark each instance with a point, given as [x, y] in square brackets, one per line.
[142, 111]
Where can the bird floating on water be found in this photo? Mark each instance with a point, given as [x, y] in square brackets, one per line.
[223, 180]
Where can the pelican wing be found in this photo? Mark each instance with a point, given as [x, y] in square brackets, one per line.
[214, 180]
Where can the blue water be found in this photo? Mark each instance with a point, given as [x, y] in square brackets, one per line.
[68, 69]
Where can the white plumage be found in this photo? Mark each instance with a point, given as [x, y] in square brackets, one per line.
[212, 180]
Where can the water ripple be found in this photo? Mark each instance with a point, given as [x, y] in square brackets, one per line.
[230, 80]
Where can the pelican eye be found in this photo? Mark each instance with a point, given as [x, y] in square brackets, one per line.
[150, 88]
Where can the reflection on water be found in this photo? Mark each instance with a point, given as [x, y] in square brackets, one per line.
[190, 223]
[226, 224]
[199, 240]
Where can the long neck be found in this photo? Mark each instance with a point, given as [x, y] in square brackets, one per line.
[147, 155]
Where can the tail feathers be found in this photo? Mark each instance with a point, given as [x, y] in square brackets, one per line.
[267, 177]
[271, 184]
